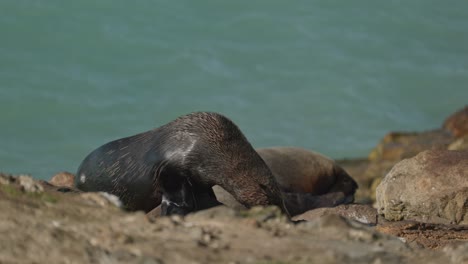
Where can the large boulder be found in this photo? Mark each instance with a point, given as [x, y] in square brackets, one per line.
[431, 187]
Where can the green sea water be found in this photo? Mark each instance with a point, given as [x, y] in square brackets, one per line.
[332, 76]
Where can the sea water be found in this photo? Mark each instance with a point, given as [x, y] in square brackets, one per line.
[331, 76]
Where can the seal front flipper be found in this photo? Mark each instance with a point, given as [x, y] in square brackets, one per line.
[177, 194]
[180, 194]
[178, 197]
[186, 198]
[298, 203]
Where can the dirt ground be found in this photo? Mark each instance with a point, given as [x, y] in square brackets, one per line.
[40, 225]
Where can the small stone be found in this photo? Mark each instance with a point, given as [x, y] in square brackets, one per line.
[459, 144]
[63, 179]
[6, 179]
[176, 219]
[28, 184]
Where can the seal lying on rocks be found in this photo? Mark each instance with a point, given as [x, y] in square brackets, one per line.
[177, 164]
[304, 171]
[308, 180]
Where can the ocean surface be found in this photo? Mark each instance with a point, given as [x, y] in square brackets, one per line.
[331, 76]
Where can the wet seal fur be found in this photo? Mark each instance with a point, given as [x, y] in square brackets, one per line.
[176, 165]
[307, 179]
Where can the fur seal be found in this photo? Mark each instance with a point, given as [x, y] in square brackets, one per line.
[307, 179]
[300, 170]
[176, 165]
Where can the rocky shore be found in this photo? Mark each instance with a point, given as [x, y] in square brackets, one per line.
[411, 207]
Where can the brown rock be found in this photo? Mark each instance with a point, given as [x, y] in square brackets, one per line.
[431, 187]
[73, 229]
[396, 146]
[457, 123]
[63, 179]
[432, 236]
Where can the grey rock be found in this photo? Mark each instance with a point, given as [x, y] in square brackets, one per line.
[28, 184]
[458, 253]
[5, 179]
[70, 230]
[431, 187]
[459, 144]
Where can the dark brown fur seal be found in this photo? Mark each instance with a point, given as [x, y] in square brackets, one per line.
[304, 171]
[308, 180]
[177, 164]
